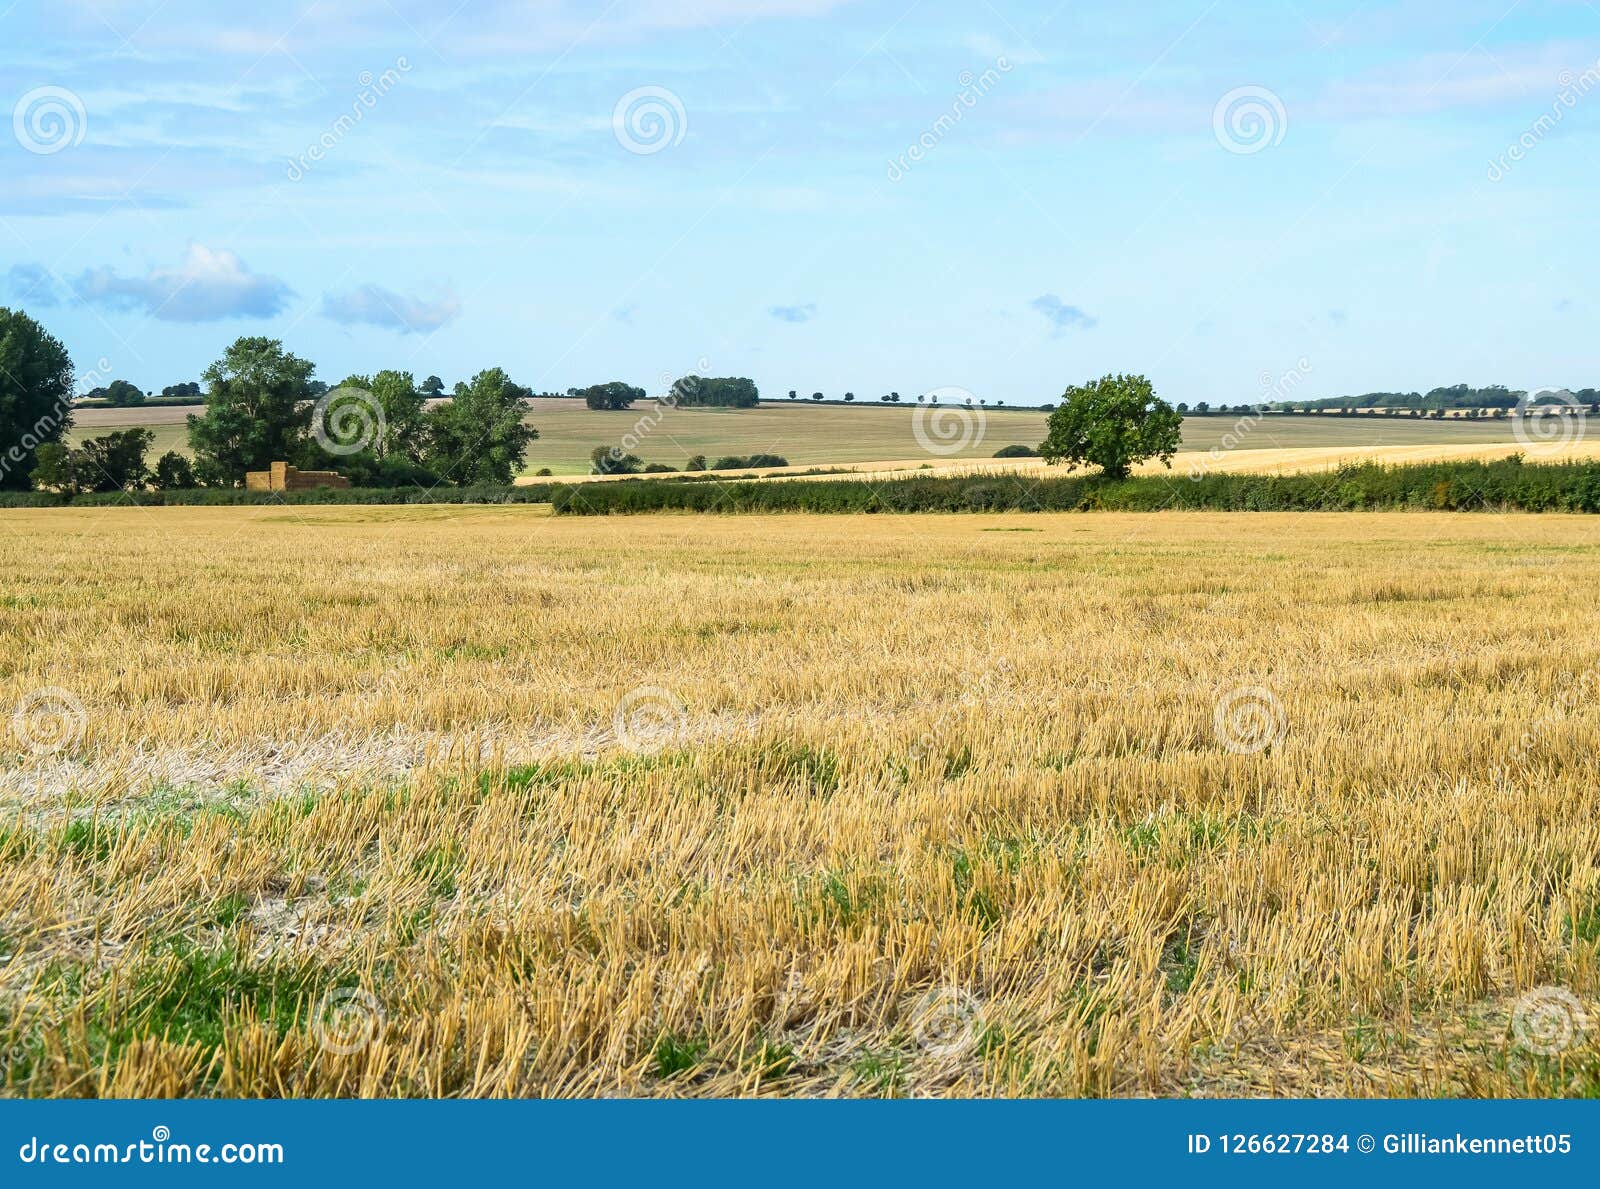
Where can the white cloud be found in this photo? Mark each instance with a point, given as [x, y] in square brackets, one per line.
[208, 286]
[377, 306]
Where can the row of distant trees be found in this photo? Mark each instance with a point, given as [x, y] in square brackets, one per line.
[730, 392]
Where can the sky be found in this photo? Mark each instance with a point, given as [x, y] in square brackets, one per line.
[1240, 200]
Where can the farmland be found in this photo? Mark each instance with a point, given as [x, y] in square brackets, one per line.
[477, 801]
[821, 435]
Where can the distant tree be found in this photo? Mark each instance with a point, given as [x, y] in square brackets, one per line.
[188, 390]
[658, 468]
[894, 398]
[792, 394]
[816, 396]
[1201, 408]
[55, 468]
[1113, 422]
[736, 462]
[257, 411]
[479, 436]
[1183, 406]
[613, 395]
[732, 392]
[35, 395]
[849, 396]
[697, 462]
[1018, 451]
[121, 393]
[611, 460]
[173, 472]
[115, 461]
[920, 399]
[433, 388]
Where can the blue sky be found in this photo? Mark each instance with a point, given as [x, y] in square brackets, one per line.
[1214, 194]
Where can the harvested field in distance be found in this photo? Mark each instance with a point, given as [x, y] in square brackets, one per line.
[468, 800]
[821, 435]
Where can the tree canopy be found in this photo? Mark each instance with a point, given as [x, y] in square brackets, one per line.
[480, 437]
[257, 410]
[35, 395]
[612, 395]
[738, 392]
[1113, 422]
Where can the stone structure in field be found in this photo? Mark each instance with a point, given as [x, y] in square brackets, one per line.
[283, 477]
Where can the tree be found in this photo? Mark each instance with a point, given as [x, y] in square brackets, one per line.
[55, 468]
[614, 395]
[697, 462]
[120, 392]
[115, 462]
[188, 390]
[35, 395]
[433, 388]
[612, 460]
[173, 472]
[849, 396]
[792, 394]
[816, 396]
[735, 392]
[1113, 422]
[401, 403]
[258, 408]
[479, 436]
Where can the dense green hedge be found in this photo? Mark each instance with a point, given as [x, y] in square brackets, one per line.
[1507, 484]
[537, 493]
[1503, 485]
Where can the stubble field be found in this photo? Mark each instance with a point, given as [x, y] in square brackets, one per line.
[476, 801]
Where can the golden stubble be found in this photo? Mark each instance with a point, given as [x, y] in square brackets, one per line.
[892, 805]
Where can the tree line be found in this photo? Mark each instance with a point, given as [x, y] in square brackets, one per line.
[261, 404]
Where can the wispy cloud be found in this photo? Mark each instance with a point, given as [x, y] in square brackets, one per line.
[210, 285]
[377, 306]
[800, 313]
[1060, 315]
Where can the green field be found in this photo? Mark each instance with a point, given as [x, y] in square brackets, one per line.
[808, 434]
